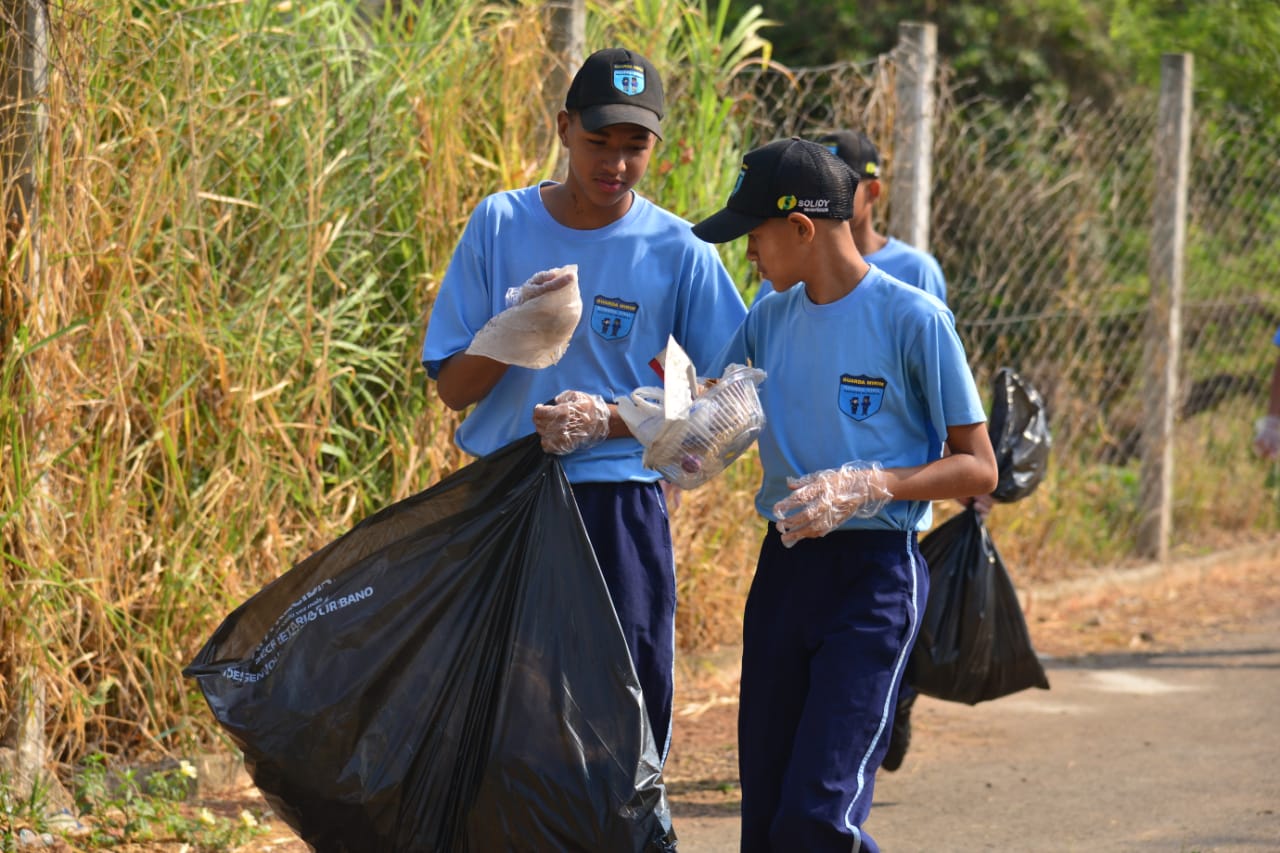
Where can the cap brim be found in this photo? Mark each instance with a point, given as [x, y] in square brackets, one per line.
[604, 115]
[725, 226]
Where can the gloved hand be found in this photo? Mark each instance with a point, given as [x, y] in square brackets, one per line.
[820, 502]
[541, 283]
[1266, 436]
[574, 420]
[535, 329]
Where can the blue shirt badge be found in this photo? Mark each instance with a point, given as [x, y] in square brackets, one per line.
[612, 318]
[861, 396]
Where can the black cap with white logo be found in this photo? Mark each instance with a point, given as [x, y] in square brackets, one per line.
[784, 177]
[616, 86]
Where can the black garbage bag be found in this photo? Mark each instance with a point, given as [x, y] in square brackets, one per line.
[449, 675]
[1019, 430]
[973, 643]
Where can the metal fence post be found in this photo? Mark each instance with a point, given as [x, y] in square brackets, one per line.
[1164, 317]
[912, 178]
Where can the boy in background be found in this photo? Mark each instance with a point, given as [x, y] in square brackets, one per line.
[867, 380]
[1266, 433]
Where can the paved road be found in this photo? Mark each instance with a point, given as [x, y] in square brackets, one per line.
[1175, 752]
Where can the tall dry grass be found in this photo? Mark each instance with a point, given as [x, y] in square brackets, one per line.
[246, 208]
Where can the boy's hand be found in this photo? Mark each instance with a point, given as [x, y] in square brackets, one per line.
[981, 504]
[573, 421]
[535, 331]
[1266, 437]
[541, 283]
[820, 502]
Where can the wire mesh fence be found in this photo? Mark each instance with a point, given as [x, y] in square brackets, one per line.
[1041, 217]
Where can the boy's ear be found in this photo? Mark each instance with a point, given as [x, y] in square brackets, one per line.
[873, 188]
[562, 127]
[803, 225]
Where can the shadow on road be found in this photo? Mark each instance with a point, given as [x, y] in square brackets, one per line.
[1189, 658]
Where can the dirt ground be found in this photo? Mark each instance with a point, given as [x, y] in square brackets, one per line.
[1145, 610]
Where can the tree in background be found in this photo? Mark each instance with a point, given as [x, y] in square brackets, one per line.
[1236, 44]
[1066, 48]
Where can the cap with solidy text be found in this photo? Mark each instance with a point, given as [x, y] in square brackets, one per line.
[784, 177]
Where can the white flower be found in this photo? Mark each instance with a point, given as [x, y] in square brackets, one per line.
[207, 818]
[247, 818]
[186, 768]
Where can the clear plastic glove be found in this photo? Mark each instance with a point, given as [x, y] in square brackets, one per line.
[820, 502]
[1266, 436]
[574, 420]
[541, 283]
[674, 495]
[535, 329]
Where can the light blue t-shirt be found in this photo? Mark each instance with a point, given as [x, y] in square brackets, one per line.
[642, 278]
[902, 261]
[907, 263]
[876, 376]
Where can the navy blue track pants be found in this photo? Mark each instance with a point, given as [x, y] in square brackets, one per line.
[631, 536]
[828, 629]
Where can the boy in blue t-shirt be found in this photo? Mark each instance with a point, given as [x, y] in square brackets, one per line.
[642, 276]
[867, 381]
[911, 265]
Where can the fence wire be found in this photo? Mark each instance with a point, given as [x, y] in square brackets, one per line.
[1041, 218]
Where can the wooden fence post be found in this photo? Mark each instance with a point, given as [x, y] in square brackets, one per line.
[23, 64]
[567, 40]
[911, 180]
[1164, 316]
[24, 30]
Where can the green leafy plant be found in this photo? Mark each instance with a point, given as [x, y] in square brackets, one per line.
[131, 807]
[19, 813]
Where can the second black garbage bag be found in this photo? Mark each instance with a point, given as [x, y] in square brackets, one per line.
[973, 644]
[1019, 430]
[449, 675]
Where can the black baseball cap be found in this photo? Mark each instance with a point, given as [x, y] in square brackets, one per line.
[617, 86]
[787, 176]
[855, 149]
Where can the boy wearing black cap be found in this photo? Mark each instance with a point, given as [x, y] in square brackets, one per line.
[905, 263]
[640, 277]
[867, 381]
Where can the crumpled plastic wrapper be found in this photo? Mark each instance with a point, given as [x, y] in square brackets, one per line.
[535, 331]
